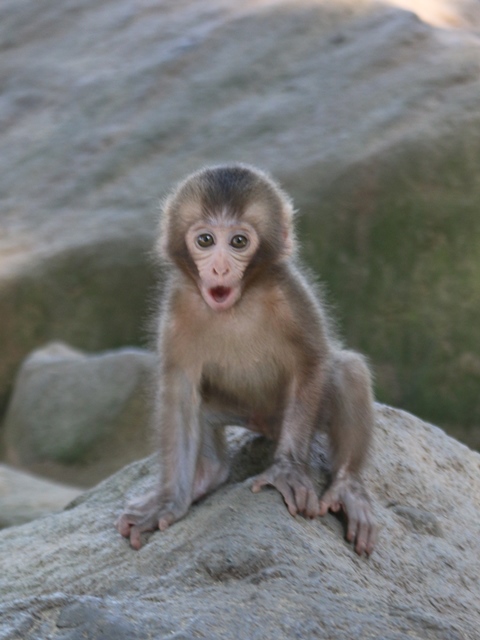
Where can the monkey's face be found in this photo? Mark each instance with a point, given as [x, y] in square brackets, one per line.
[221, 251]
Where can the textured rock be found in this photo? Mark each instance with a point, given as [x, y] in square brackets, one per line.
[24, 497]
[80, 417]
[366, 112]
[456, 14]
[238, 566]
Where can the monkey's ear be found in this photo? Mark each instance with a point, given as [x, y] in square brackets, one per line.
[289, 243]
[288, 227]
[161, 245]
[163, 231]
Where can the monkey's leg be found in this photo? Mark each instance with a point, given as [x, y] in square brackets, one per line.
[350, 413]
[213, 465]
[180, 440]
[289, 473]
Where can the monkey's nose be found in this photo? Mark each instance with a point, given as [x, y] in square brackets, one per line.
[221, 270]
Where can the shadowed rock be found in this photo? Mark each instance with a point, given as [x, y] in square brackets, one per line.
[79, 417]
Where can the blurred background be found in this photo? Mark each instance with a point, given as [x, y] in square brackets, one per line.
[366, 112]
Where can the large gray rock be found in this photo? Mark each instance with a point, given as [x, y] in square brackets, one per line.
[79, 417]
[366, 112]
[449, 14]
[238, 566]
[24, 497]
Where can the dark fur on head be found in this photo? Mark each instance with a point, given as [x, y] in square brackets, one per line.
[232, 191]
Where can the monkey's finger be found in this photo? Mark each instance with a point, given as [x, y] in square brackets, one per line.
[312, 509]
[301, 497]
[260, 482]
[372, 538]
[263, 481]
[353, 524]
[281, 486]
[284, 488]
[329, 501]
[165, 521]
[136, 537]
[307, 501]
[322, 508]
[123, 526]
[324, 504]
[362, 534]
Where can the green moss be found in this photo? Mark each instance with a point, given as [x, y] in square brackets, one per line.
[400, 253]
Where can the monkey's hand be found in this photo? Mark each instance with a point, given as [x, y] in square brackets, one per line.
[148, 513]
[350, 495]
[293, 482]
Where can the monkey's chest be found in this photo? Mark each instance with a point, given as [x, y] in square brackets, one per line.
[245, 355]
[245, 366]
[256, 386]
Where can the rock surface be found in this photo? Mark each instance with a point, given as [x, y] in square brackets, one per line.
[79, 417]
[456, 14]
[24, 497]
[238, 566]
[366, 112]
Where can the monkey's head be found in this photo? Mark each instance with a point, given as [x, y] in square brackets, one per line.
[224, 226]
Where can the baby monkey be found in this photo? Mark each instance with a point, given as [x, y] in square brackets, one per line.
[243, 339]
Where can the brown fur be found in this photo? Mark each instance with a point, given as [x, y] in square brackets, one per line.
[242, 333]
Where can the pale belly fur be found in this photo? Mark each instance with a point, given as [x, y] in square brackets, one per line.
[243, 359]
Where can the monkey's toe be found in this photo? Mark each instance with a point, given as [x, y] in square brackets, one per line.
[165, 520]
[131, 528]
[352, 499]
[366, 535]
[123, 526]
[135, 538]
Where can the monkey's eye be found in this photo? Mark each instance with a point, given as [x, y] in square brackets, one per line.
[205, 240]
[239, 242]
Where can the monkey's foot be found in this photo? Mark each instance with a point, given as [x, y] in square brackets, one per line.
[350, 495]
[295, 486]
[146, 514]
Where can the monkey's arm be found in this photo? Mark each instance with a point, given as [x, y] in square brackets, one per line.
[289, 471]
[177, 418]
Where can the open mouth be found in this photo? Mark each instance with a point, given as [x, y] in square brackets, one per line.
[220, 294]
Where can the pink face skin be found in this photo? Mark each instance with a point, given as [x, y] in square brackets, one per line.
[221, 250]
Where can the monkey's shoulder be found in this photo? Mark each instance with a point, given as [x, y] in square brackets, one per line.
[304, 298]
